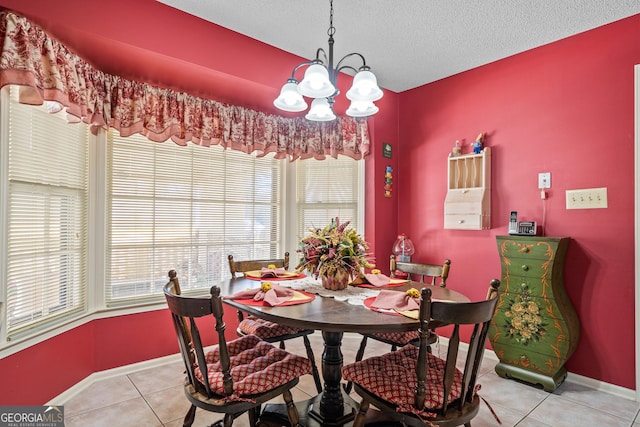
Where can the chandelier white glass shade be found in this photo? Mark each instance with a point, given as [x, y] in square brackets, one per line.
[320, 111]
[290, 99]
[320, 83]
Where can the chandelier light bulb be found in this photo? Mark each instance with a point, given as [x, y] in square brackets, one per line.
[320, 111]
[365, 90]
[321, 107]
[316, 83]
[362, 109]
[364, 87]
[361, 106]
[290, 99]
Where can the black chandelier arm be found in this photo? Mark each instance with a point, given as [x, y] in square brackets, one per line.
[324, 55]
[346, 67]
[363, 67]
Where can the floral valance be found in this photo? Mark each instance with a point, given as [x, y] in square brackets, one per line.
[46, 70]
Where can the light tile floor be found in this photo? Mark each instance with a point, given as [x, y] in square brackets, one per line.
[154, 397]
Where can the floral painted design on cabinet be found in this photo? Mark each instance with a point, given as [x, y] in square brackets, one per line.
[523, 320]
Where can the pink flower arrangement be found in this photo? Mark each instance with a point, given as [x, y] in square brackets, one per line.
[335, 247]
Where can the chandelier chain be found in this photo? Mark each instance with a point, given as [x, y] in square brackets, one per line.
[332, 30]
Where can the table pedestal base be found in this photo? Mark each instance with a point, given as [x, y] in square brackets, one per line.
[275, 415]
[309, 411]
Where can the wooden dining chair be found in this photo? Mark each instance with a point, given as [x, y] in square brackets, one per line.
[432, 274]
[231, 377]
[416, 388]
[270, 331]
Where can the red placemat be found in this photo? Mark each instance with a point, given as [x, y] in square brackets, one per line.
[391, 284]
[251, 301]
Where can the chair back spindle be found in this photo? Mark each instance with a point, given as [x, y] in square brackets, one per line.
[218, 312]
[420, 272]
[423, 331]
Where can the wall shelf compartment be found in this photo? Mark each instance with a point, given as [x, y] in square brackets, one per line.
[468, 202]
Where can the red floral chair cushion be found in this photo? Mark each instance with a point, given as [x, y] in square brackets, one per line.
[392, 377]
[265, 329]
[402, 338]
[256, 366]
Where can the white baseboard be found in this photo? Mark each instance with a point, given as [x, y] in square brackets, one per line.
[78, 388]
[591, 383]
[616, 390]
[488, 354]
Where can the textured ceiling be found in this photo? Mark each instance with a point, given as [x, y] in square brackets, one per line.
[409, 43]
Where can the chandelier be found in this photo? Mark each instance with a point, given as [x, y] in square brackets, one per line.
[320, 83]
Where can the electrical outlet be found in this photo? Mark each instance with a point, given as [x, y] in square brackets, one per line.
[588, 198]
[544, 180]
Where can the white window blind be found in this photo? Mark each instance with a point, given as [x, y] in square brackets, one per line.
[185, 208]
[327, 189]
[47, 213]
[166, 207]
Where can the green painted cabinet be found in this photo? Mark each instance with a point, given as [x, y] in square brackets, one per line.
[535, 328]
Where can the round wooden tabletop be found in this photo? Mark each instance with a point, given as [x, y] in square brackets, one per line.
[327, 314]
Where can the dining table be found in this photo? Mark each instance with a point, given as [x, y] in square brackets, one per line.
[333, 313]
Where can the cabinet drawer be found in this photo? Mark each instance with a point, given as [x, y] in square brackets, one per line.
[467, 200]
[528, 358]
[463, 208]
[518, 283]
[463, 221]
[527, 269]
[527, 249]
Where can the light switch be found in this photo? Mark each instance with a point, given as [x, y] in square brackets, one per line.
[588, 198]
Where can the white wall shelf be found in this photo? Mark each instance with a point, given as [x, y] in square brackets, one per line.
[468, 202]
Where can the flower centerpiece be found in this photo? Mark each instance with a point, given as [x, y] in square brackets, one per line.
[334, 253]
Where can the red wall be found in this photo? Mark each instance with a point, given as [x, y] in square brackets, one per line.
[64, 360]
[381, 213]
[565, 108]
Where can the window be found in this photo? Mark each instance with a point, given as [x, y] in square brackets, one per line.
[326, 190]
[47, 217]
[91, 222]
[186, 208]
